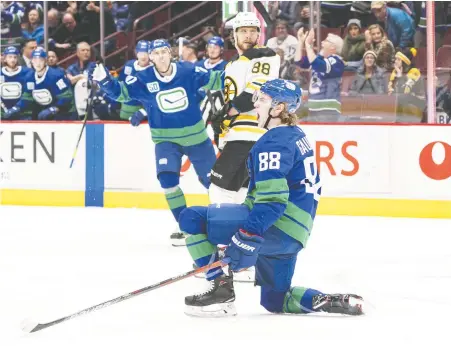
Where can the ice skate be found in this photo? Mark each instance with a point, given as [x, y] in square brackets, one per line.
[178, 237]
[348, 304]
[216, 301]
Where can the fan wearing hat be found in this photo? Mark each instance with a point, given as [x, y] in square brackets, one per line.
[404, 78]
[353, 44]
[369, 78]
[12, 82]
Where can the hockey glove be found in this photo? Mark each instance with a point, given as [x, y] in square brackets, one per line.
[137, 117]
[217, 118]
[7, 17]
[243, 251]
[99, 73]
[10, 112]
[47, 113]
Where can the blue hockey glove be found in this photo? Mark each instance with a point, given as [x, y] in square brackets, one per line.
[47, 113]
[138, 117]
[10, 112]
[7, 17]
[243, 251]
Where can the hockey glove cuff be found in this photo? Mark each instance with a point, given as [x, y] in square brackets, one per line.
[243, 250]
[47, 113]
[137, 117]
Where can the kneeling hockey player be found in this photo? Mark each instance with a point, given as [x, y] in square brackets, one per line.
[273, 224]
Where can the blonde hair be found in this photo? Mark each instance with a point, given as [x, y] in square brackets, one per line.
[287, 118]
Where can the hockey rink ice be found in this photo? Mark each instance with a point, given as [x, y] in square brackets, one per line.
[56, 261]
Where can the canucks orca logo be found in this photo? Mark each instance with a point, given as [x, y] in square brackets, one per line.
[230, 89]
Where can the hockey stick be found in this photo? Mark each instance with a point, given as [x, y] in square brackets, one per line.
[31, 327]
[88, 113]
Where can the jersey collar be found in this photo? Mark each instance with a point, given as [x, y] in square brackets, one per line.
[166, 79]
[209, 66]
[138, 67]
[41, 79]
[10, 74]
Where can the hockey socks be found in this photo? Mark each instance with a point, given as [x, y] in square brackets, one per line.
[176, 200]
[299, 300]
[203, 252]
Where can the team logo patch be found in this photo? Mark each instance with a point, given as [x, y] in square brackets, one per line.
[230, 89]
[172, 100]
[153, 87]
[127, 70]
[30, 85]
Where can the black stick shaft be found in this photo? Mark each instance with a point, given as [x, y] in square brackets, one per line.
[129, 295]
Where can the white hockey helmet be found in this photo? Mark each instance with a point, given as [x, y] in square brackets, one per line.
[243, 19]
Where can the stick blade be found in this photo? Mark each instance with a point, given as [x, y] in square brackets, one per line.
[28, 326]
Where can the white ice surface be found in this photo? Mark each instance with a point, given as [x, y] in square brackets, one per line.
[56, 261]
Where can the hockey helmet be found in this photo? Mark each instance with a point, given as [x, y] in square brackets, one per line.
[143, 46]
[216, 40]
[243, 19]
[281, 91]
[39, 53]
[11, 50]
[160, 43]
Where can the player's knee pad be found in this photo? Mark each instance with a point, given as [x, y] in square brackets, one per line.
[193, 220]
[272, 300]
[168, 179]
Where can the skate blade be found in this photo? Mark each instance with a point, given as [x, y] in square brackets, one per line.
[178, 242]
[215, 310]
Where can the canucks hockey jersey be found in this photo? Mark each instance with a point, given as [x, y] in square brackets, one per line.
[170, 101]
[325, 83]
[131, 68]
[245, 74]
[205, 63]
[12, 85]
[284, 186]
[52, 89]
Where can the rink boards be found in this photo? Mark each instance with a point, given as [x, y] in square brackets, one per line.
[377, 170]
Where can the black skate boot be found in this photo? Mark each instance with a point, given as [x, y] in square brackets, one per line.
[178, 238]
[348, 304]
[217, 301]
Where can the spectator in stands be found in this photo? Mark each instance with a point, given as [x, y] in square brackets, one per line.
[377, 41]
[335, 13]
[288, 43]
[327, 71]
[53, 21]
[398, 24]
[405, 78]
[52, 61]
[441, 9]
[285, 10]
[369, 78]
[33, 28]
[71, 34]
[28, 47]
[11, 18]
[353, 45]
[79, 70]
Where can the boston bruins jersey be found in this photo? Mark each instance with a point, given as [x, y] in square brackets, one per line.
[244, 75]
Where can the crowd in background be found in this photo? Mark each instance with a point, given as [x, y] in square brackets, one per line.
[381, 42]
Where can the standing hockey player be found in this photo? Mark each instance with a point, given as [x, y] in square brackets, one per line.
[167, 92]
[12, 84]
[131, 67]
[47, 91]
[244, 74]
[273, 224]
